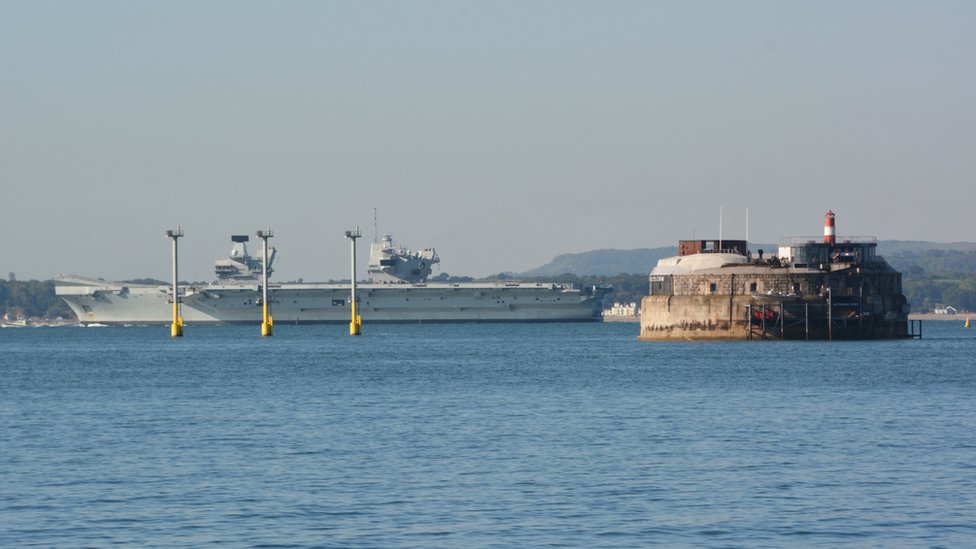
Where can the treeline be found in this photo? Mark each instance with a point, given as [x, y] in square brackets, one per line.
[32, 298]
[937, 262]
[627, 288]
[937, 278]
[926, 291]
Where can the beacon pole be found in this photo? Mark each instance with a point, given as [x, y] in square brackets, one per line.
[830, 237]
[830, 230]
[176, 330]
[356, 323]
[267, 323]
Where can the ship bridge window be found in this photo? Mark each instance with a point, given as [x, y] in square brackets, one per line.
[338, 302]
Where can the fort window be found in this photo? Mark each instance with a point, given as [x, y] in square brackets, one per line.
[660, 285]
[753, 286]
[712, 287]
[796, 287]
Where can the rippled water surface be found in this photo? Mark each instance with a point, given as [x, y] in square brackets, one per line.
[483, 435]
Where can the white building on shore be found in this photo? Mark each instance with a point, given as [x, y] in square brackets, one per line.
[621, 311]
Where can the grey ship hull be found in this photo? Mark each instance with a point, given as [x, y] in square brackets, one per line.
[101, 302]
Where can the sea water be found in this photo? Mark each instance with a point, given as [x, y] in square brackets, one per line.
[483, 435]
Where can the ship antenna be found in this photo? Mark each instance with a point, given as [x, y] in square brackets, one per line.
[376, 232]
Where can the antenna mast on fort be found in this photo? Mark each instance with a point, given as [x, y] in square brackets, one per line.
[720, 211]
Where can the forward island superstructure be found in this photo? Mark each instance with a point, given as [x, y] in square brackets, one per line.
[398, 292]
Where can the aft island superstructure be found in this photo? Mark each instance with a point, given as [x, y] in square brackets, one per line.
[398, 292]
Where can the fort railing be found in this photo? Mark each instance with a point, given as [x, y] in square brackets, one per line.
[841, 240]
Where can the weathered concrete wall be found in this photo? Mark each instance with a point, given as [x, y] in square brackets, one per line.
[690, 317]
[864, 306]
[844, 283]
[719, 317]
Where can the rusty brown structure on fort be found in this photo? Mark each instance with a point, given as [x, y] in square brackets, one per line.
[810, 288]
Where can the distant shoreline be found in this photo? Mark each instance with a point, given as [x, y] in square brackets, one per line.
[959, 317]
[620, 318]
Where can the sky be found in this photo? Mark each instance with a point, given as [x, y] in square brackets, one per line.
[500, 133]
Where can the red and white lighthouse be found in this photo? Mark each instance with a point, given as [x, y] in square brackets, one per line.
[830, 237]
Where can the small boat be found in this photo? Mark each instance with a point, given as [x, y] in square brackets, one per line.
[966, 325]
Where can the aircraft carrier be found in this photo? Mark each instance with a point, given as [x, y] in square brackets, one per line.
[398, 291]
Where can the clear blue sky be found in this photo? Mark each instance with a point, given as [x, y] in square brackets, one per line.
[501, 133]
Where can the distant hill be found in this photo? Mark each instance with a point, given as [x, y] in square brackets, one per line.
[902, 254]
[604, 262]
[933, 262]
[611, 262]
[916, 246]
